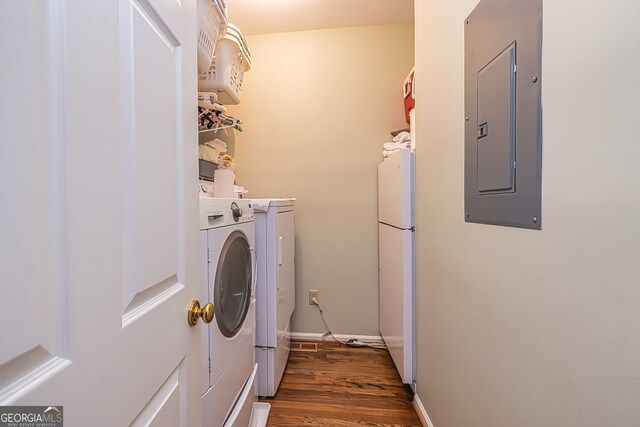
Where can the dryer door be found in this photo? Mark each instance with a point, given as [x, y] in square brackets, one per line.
[232, 286]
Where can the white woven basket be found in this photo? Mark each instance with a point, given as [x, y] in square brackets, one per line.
[212, 23]
[231, 60]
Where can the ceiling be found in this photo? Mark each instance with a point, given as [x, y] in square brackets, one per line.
[278, 16]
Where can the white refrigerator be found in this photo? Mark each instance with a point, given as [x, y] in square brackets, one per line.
[396, 243]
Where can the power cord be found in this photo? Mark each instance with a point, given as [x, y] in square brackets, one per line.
[351, 342]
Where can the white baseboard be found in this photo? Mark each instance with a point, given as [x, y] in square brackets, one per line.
[318, 337]
[422, 413]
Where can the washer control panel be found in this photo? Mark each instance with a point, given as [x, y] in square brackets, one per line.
[241, 211]
[216, 213]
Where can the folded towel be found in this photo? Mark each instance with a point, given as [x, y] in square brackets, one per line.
[261, 205]
[395, 145]
[208, 153]
[402, 137]
[387, 153]
[217, 144]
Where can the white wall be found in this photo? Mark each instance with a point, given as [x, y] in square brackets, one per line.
[317, 106]
[524, 328]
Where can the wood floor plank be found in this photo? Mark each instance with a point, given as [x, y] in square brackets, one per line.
[342, 386]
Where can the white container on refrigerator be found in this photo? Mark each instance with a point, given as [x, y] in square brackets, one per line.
[396, 216]
[275, 290]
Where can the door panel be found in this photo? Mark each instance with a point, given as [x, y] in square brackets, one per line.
[93, 233]
[496, 118]
[150, 63]
[286, 276]
[33, 297]
[165, 408]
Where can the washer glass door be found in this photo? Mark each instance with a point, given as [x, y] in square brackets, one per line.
[232, 287]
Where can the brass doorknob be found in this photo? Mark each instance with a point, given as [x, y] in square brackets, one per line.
[195, 312]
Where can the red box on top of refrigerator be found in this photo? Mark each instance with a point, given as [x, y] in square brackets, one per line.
[409, 95]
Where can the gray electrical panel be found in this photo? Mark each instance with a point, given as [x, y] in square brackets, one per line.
[503, 114]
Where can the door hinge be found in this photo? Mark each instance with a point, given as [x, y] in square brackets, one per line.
[208, 256]
[209, 364]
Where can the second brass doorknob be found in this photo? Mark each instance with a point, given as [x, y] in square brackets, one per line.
[195, 313]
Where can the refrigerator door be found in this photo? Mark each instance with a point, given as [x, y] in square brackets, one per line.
[397, 293]
[395, 190]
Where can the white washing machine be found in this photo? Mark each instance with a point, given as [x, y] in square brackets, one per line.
[228, 280]
[276, 289]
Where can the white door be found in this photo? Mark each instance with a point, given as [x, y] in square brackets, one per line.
[99, 253]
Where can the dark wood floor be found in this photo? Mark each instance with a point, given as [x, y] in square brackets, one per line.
[342, 386]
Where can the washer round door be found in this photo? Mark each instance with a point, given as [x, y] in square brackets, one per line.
[232, 287]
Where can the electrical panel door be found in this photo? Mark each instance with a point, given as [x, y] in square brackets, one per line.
[503, 113]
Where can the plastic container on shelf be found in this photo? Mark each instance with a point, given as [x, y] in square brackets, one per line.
[231, 60]
[409, 95]
[223, 183]
[212, 24]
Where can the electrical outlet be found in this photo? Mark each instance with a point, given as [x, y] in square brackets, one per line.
[314, 293]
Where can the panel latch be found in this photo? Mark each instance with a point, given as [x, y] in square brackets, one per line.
[483, 130]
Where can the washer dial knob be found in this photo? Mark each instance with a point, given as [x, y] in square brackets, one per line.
[236, 211]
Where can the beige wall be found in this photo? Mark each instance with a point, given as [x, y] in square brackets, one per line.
[522, 328]
[317, 106]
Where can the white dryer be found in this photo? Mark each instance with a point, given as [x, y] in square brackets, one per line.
[228, 280]
[276, 289]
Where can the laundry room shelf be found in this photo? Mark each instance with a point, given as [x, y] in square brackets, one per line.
[221, 127]
[212, 118]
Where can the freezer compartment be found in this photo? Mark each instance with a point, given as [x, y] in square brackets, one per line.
[395, 190]
[397, 295]
[271, 364]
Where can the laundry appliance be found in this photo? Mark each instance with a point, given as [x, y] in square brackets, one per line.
[275, 293]
[396, 240]
[228, 280]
